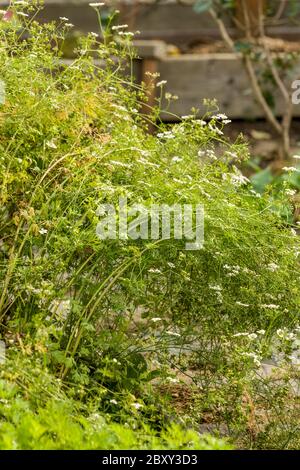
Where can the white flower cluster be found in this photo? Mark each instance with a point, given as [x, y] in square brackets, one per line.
[232, 271]
[208, 153]
[286, 335]
[270, 306]
[119, 26]
[127, 34]
[161, 83]
[233, 155]
[290, 192]
[221, 117]
[238, 179]
[255, 357]
[165, 135]
[176, 159]
[272, 267]
[21, 13]
[218, 291]
[290, 169]
[96, 5]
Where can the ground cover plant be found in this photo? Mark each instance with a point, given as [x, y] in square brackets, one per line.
[133, 343]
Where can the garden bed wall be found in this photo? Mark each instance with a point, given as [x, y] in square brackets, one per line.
[194, 77]
[222, 77]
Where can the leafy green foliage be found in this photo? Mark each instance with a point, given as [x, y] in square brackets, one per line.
[103, 324]
[37, 414]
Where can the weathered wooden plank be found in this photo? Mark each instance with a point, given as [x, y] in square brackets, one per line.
[150, 49]
[174, 23]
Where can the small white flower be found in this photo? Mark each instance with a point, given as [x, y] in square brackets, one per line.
[69, 25]
[154, 271]
[155, 319]
[95, 35]
[297, 157]
[126, 34]
[176, 159]
[270, 306]
[113, 402]
[209, 153]
[220, 117]
[137, 406]
[166, 135]
[120, 26]
[254, 357]
[231, 154]
[63, 18]
[51, 144]
[290, 192]
[252, 336]
[239, 180]
[95, 5]
[215, 129]
[280, 333]
[161, 83]
[272, 267]
[172, 380]
[21, 13]
[215, 287]
[261, 332]
[171, 265]
[290, 337]
[290, 168]
[43, 231]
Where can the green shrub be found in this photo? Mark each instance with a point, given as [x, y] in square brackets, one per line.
[103, 313]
